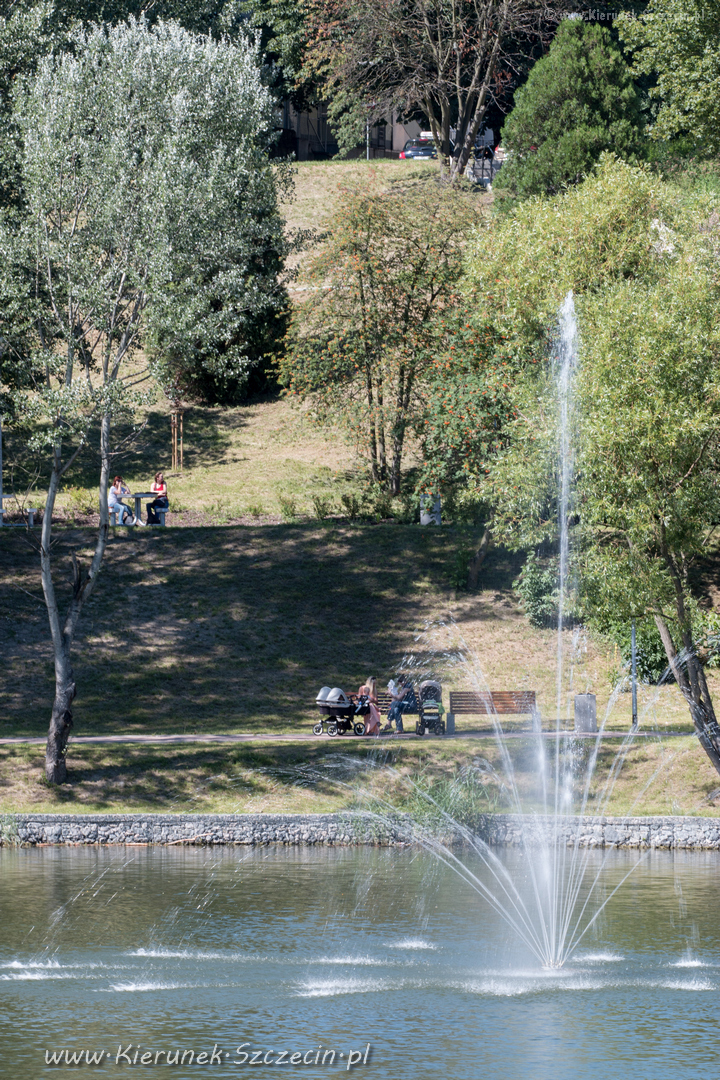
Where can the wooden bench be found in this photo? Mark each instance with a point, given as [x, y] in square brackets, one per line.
[490, 703]
[386, 700]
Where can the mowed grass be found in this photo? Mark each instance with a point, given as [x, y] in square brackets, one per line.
[241, 465]
[659, 776]
[235, 629]
[319, 185]
[227, 629]
[232, 622]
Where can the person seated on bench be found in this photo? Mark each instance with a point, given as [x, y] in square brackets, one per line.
[372, 717]
[116, 505]
[398, 692]
[161, 502]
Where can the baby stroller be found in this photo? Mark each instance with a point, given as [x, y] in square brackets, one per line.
[339, 712]
[430, 708]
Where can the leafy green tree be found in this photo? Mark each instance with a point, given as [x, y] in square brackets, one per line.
[283, 28]
[642, 264]
[650, 454]
[679, 42]
[362, 343]
[578, 101]
[465, 408]
[143, 162]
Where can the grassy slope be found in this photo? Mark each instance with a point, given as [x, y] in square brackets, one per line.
[228, 629]
[239, 462]
[235, 629]
[658, 777]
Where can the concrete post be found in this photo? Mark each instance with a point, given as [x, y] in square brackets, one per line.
[585, 714]
[430, 513]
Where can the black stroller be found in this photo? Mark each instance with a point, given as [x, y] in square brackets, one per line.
[430, 708]
[339, 712]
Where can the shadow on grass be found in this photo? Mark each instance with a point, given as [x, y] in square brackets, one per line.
[207, 439]
[228, 629]
[188, 779]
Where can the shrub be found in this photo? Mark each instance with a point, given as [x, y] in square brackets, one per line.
[537, 588]
[351, 505]
[81, 501]
[322, 507]
[288, 508]
[459, 569]
[651, 658]
[578, 101]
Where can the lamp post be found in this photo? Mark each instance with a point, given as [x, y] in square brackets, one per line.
[633, 668]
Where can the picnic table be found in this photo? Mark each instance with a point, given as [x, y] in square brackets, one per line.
[138, 496]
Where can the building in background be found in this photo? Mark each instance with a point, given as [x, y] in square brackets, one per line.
[308, 135]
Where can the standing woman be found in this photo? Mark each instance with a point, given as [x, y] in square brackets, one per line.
[159, 487]
[372, 720]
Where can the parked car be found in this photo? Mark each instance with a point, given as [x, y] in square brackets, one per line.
[418, 148]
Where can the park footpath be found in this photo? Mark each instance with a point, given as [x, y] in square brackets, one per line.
[128, 740]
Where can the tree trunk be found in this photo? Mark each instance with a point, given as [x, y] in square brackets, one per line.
[61, 720]
[402, 405]
[372, 436]
[62, 634]
[479, 557]
[701, 712]
[380, 423]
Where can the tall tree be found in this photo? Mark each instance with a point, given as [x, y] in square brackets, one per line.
[362, 343]
[679, 42]
[443, 58]
[143, 154]
[642, 266]
[578, 101]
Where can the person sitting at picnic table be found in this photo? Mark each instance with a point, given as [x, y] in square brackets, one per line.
[159, 487]
[115, 503]
[398, 692]
[372, 717]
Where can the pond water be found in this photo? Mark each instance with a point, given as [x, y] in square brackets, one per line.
[319, 950]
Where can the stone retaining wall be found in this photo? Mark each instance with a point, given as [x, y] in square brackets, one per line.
[339, 829]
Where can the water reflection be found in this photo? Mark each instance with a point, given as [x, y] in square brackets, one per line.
[302, 948]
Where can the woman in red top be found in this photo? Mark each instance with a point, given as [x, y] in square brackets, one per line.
[161, 502]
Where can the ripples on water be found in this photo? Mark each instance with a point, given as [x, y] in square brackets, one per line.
[293, 949]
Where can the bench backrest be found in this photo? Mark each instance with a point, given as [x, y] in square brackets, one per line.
[505, 702]
[385, 701]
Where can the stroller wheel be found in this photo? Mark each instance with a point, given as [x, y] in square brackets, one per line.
[419, 728]
[359, 729]
[332, 730]
[317, 729]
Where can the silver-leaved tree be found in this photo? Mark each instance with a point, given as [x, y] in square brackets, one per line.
[148, 195]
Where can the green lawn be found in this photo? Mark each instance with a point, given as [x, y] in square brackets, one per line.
[670, 776]
[232, 618]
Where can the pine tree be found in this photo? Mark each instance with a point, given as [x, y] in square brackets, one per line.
[579, 101]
